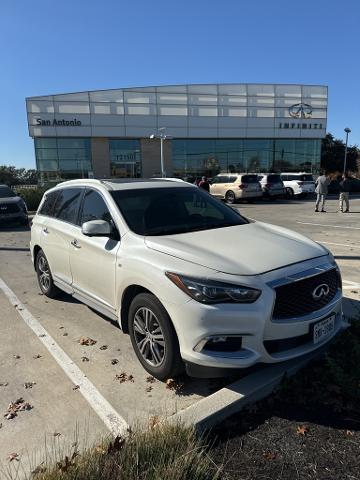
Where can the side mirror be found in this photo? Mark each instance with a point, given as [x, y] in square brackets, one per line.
[96, 228]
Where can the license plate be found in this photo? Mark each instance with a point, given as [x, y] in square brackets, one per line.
[323, 329]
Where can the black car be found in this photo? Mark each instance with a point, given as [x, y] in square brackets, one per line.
[12, 207]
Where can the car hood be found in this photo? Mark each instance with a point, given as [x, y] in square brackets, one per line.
[10, 199]
[249, 249]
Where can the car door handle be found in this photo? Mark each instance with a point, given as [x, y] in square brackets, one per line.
[75, 243]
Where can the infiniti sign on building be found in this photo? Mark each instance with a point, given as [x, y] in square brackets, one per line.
[209, 128]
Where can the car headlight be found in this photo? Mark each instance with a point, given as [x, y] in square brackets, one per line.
[211, 291]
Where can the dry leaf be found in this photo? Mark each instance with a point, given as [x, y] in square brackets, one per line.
[270, 455]
[13, 456]
[65, 334]
[114, 361]
[76, 387]
[172, 384]
[29, 384]
[56, 434]
[150, 379]
[85, 359]
[42, 335]
[103, 347]
[149, 388]
[87, 341]
[302, 430]
[124, 377]
[4, 384]
[17, 357]
[37, 356]
[14, 407]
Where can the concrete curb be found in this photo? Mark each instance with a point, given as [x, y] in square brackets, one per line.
[212, 410]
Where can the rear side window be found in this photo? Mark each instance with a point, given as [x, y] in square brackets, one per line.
[67, 205]
[223, 179]
[273, 178]
[232, 179]
[48, 204]
[249, 179]
[94, 208]
[306, 178]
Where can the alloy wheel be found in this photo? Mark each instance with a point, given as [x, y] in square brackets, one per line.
[149, 336]
[44, 274]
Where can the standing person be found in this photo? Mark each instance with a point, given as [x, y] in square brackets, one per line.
[204, 184]
[345, 188]
[321, 189]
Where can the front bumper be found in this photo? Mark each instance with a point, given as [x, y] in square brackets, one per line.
[263, 339]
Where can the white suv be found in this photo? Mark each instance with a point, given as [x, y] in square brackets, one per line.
[191, 280]
[236, 186]
[299, 184]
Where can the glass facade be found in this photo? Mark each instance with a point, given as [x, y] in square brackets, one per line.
[192, 157]
[63, 158]
[125, 158]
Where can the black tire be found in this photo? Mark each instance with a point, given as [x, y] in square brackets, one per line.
[160, 357]
[289, 192]
[44, 276]
[230, 197]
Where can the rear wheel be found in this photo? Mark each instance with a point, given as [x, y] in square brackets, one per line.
[153, 337]
[44, 276]
[289, 192]
[230, 197]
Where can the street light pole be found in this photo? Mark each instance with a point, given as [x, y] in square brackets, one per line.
[161, 134]
[347, 131]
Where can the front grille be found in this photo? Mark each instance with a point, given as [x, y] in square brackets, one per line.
[296, 299]
[8, 208]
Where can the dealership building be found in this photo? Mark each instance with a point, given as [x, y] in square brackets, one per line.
[206, 129]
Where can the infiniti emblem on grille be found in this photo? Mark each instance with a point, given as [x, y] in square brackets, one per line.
[321, 291]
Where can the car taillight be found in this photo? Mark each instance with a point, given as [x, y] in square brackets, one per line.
[242, 186]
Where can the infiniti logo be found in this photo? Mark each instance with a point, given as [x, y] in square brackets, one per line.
[300, 110]
[320, 291]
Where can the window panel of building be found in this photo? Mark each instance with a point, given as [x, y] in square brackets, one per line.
[296, 155]
[233, 89]
[261, 101]
[72, 107]
[40, 106]
[203, 99]
[257, 155]
[288, 91]
[316, 91]
[232, 100]
[139, 97]
[232, 112]
[173, 110]
[171, 98]
[125, 158]
[203, 111]
[140, 109]
[107, 96]
[261, 90]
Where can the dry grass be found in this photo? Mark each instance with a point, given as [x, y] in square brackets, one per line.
[166, 452]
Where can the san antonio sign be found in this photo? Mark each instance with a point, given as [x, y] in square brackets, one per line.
[58, 123]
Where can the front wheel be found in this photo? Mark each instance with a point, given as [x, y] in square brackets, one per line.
[153, 337]
[44, 276]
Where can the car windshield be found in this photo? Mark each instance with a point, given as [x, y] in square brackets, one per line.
[6, 192]
[167, 211]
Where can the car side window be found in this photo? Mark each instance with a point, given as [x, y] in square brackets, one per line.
[67, 205]
[94, 208]
[48, 204]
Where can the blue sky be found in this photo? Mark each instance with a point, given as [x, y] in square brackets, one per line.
[50, 46]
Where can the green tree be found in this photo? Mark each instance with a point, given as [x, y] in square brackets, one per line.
[333, 152]
[11, 175]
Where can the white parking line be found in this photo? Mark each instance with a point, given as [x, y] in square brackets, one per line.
[333, 226]
[340, 244]
[113, 421]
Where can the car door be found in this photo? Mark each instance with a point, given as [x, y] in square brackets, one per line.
[93, 259]
[58, 230]
[214, 187]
